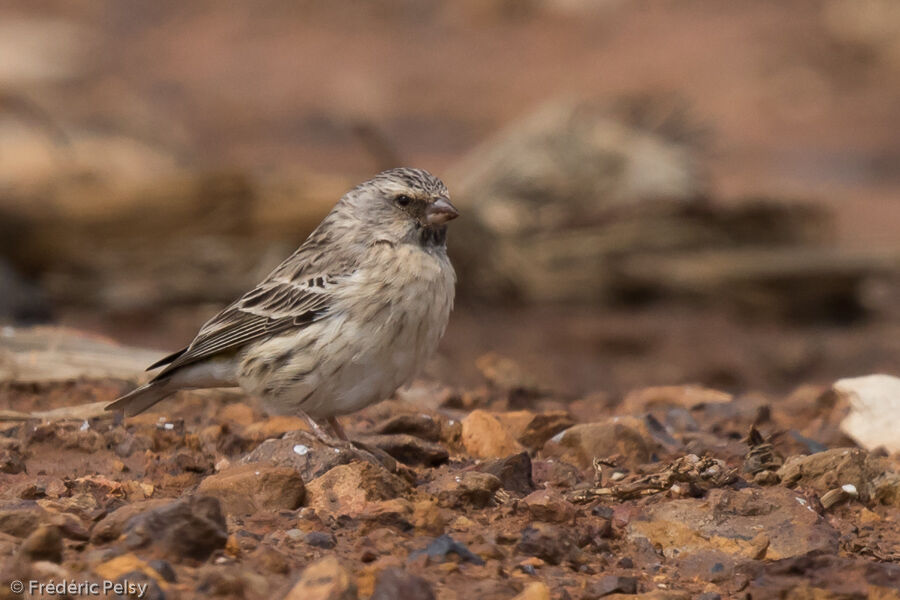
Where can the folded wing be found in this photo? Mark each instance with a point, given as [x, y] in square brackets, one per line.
[272, 307]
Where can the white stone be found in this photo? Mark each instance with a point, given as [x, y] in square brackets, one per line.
[874, 418]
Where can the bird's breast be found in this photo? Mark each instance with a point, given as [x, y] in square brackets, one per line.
[408, 296]
[409, 289]
[384, 324]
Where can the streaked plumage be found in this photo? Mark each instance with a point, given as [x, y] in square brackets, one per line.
[344, 321]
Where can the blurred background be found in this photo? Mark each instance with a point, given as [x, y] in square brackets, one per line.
[675, 191]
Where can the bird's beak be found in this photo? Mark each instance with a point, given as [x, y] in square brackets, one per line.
[440, 211]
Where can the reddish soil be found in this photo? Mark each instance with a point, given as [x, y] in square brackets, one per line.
[795, 108]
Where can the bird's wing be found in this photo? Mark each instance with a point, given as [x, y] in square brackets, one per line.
[273, 306]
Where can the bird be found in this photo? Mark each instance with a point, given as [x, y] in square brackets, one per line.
[348, 318]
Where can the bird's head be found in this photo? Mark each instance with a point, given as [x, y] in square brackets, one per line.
[403, 205]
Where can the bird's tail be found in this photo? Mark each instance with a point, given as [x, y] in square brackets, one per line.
[139, 400]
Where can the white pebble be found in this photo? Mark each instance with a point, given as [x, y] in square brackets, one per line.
[301, 449]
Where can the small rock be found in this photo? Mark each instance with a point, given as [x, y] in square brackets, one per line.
[654, 595]
[70, 526]
[672, 396]
[142, 585]
[483, 436]
[41, 570]
[294, 534]
[44, 543]
[301, 451]
[611, 584]
[320, 539]
[348, 489]
[191, 528]
[21, 519]
[555, 473]
[251, 488]
[444, 545]
[836, 577]
[730, 522]
[165, 570]
[549, 506]
[487, 550]
[89, 491]
[514, 472]
[409, 449]
[396, 513]
[625, 562]
[397, 584]
[12, 461]
[625, 436]
[81, 504]
[324, 579]
[763, 456]
[536, 590]
[468, 488]
[887, 489]
[427, 517]
[125, 564]
[548, 543]
[111, 526]
[531, 564]
[132, 444]
[272, 561]
[60, 435]
[874, 417]
[28, 491]
[531, 429]
[229, 581]
[421, 426]
[463, 523]
[834, 468]
[766, 478]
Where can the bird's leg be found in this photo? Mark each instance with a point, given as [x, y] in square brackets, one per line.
[339, 439]
[335, 438]
[324, 436]
[338, 429]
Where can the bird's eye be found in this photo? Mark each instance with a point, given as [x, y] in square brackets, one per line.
[403, 201]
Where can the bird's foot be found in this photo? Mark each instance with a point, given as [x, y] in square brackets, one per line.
[339, 439]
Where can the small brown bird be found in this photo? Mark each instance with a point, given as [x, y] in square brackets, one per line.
[343, 322]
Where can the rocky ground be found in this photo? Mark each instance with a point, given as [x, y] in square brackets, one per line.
[720, 210]
[500, 490]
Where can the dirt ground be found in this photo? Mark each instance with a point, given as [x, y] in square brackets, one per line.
[671, 449]
[501, 490]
